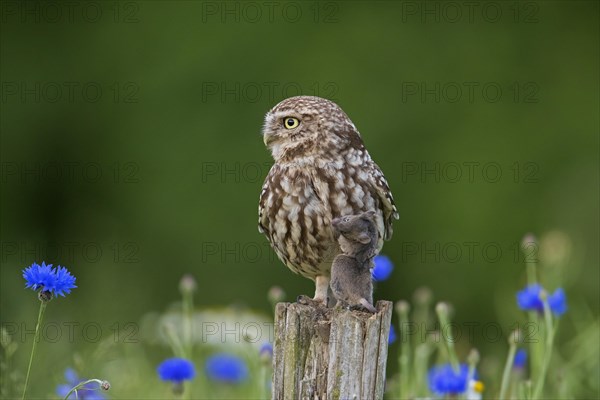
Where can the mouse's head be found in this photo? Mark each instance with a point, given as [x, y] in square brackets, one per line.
[355, 232]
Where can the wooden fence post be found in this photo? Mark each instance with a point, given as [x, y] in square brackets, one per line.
[324, 353]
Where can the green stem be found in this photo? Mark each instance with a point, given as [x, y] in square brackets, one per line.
[404, 356]
[530, 257]
[449, 339]
[472, 359]
[174, 340]
[179, 350]
[421, 319]
[507, 368]
[531, 268]
[528, 388]
[186, 391]
[80, 385]
[531, 273]
[35, 340]
[263, 381]
[188, 309]
[536, 345]
[404, 360]
[521, 391]
[550, 330]
[422, 353]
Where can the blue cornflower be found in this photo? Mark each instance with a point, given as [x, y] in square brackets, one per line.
[176, 370]
[88, 392]
[383, 268]
[558, 302]
[266, 350]
[443, 380]
[57, 281]
[520, 359]
[392, 336]
[226, 368]
[529, 299]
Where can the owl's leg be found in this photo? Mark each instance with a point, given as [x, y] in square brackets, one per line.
[322, 288]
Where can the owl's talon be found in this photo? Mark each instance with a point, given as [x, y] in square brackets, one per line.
[342, 305]
[303, 299]
[360, 307]
[307, 301]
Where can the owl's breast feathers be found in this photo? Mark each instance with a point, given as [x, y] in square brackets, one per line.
[299, 200]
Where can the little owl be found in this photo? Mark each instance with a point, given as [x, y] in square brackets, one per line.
[322, 171]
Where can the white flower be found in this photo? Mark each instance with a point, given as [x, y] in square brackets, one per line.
[474, 390]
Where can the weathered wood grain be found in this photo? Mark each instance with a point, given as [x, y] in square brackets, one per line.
[322, 353]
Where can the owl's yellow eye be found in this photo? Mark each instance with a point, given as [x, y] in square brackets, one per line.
[290, 122]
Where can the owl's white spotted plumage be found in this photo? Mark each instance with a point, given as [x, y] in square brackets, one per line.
[322, 171]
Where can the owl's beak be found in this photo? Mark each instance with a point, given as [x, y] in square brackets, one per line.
[268, 138]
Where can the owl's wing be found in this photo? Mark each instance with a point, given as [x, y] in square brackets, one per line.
[382, 189]
[263, 223]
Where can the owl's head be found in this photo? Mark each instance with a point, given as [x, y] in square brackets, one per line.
[307, 125]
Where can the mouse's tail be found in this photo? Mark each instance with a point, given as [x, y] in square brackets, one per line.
[367, 305]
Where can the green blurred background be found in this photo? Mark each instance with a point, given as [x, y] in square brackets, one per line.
[131, 148]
